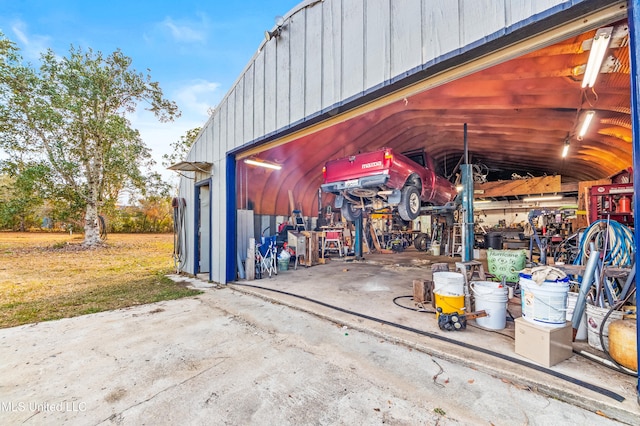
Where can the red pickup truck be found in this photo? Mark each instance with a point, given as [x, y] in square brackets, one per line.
[385, 178]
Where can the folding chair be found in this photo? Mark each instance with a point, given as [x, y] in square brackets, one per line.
[266, 255]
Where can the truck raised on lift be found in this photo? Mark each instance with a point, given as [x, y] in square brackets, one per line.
[385, 178]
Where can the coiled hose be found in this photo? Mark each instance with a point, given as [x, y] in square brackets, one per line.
[619, 239]
[179, 233]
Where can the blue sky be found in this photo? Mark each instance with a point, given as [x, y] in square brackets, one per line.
[194, 49]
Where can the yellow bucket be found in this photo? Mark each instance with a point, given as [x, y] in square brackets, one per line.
[449, 303]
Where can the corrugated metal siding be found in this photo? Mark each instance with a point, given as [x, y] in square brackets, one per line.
[352, 48]
[270, 101]
[313, 61]
[248, 104]
[436, 42]
[331, 52]
[406, 39]
[490, 13]
[219, 222]
[334, 50]
[377, 44]
[297, 69]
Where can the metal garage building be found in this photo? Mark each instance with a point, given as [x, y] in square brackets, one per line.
[337, 76]
[331, 61]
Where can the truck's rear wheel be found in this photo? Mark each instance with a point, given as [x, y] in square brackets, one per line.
[409, 207]
[350, 212]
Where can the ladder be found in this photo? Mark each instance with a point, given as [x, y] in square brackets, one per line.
[456, 240]
[298, 221]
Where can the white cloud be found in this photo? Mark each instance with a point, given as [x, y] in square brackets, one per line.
[158, 136]
[194, 100]
[32, 45]
[186, 31]
[197, 97]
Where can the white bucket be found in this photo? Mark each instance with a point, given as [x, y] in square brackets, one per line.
[491, 297]
[572, 299]
[448, 283]
[435, 248]
[595, 315]
[544, 304]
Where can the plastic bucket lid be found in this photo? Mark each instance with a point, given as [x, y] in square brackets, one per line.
[487, 287]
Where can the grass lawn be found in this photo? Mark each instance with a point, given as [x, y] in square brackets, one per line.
[47, 276]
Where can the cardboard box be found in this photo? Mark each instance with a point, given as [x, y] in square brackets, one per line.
[545, 345]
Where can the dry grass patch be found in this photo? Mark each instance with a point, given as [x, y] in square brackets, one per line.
[50, 276]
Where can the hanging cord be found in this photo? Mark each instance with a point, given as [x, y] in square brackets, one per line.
[615, 307]
[619, 240]
[179, 233]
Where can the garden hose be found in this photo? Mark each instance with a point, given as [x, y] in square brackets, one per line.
[615, 307]
[619, 239]
[179, 233]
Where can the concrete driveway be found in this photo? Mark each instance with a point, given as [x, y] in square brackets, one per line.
[242, 355]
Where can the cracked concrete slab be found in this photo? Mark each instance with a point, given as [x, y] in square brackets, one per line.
[227, 357]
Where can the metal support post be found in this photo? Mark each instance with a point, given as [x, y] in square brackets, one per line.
[358, 238]
[467, 212]
[634, 59]
[468, 238]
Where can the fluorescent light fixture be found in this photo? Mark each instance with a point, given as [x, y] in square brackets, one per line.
[481, 201]
[543, 198]
[263, 164]
[459, 188]
[598, 49]
[586, 122]
[565, 148]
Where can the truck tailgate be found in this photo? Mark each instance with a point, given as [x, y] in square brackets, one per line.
[355, 166]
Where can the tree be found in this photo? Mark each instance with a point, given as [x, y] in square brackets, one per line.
[181, 147]
[71, 114]
[22, 191]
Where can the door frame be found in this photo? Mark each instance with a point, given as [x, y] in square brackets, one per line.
[196, 238]
[232, 220]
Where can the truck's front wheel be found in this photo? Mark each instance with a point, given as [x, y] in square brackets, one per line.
[350, 212]
[409, 207]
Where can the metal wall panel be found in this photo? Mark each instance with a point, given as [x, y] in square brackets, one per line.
[377, 43]
[480, 18]
[223, 128]
[239, 112]
[218, 225]
[406, 36]
[441, 19]
[269, 88]
[217, 139]
[283, 79]
[353, 48]
[207, 135]
[186, 191]
[331, 52]
[297, 71]
[231, 119]
[258, 96]
[519, 10]
[313, 60]
[248, 108]
[245, 231]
